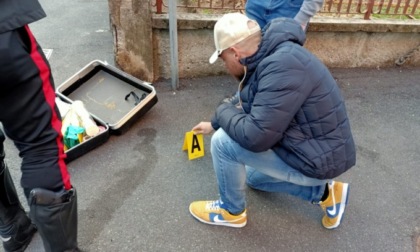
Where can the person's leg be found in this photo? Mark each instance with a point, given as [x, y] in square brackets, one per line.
[257, 10]
[16, 229]
[233, 163]
[31, 119]
[229, 160]
[265, 11]
[266, 171]
[260, 181]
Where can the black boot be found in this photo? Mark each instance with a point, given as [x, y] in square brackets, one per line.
[55, 215]
[16, 229]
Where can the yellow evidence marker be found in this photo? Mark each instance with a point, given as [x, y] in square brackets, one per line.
[194, 144]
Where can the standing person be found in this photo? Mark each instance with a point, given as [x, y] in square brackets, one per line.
[31, 119]
[290, 132]
[263, 11]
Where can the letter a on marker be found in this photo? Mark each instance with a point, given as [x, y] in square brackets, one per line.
[194, 144]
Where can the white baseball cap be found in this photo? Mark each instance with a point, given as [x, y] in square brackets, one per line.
[229, 30]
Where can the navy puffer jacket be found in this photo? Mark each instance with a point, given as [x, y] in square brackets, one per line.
[291, 104]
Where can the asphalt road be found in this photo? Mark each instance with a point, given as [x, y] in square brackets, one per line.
[135, 189]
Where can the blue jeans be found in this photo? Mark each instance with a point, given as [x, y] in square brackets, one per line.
[266, 171]
[263, 11]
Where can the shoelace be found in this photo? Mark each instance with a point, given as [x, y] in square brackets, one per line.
[213, 205]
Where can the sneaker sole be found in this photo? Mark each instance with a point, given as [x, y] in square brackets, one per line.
[345, 198]
[226, 224]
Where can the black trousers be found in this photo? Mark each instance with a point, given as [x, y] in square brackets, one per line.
[28, 111]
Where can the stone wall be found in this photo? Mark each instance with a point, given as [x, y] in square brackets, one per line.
[364, 43]
[131, 25]
[344, 43]
[142, 46]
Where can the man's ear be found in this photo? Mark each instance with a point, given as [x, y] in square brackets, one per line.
[236, 52]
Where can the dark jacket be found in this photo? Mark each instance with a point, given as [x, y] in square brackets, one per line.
[291, 104]
[17, 13]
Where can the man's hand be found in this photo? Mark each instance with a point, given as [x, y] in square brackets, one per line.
[204, 128]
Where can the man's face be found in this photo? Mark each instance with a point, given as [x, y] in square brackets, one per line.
[232, 64]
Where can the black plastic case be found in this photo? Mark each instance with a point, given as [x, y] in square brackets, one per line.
[114, 98]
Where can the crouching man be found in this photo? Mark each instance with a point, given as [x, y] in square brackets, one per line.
[289, 133]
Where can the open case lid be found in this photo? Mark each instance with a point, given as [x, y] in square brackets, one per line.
[110, 94]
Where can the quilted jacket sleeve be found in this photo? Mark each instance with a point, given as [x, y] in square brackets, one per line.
[275, 94]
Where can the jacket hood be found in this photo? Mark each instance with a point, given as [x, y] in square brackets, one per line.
[275, 33]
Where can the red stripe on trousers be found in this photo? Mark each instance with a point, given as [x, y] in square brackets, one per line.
[45, 75]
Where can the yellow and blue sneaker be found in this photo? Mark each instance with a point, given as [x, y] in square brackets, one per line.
[335, 204]
[213, 213]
